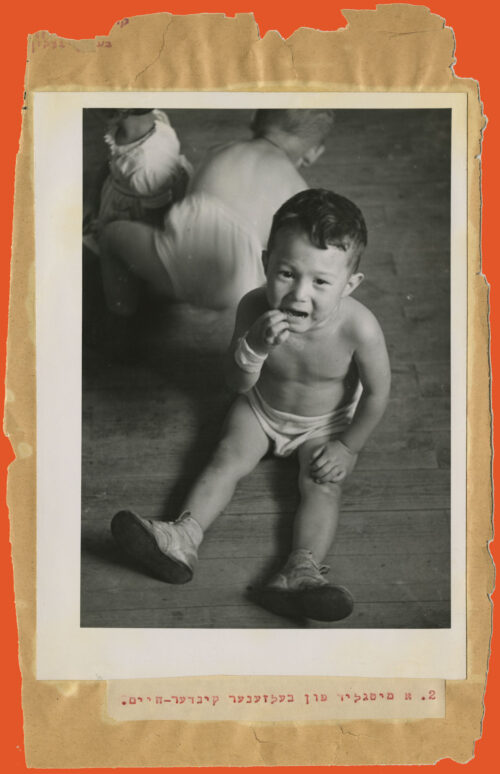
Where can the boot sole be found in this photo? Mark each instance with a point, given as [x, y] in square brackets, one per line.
[332, 603]
[139, 544]
[326, 604]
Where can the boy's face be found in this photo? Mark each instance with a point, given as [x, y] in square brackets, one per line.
[308, 283]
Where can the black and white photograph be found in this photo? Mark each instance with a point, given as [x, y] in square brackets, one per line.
[267, 421]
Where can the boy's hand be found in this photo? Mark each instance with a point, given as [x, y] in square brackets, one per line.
[268, 331]
[332, 462]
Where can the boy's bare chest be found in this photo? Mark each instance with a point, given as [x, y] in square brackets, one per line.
[305, 360]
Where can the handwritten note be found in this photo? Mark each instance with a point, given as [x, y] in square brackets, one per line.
[275, 698]
[42, 39]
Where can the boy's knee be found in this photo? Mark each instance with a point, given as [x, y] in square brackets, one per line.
[330, 490]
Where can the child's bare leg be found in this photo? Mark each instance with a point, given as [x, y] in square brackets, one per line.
[127, 254]
[169, 551]
[317, 516]
[242, 445]
[300, 589]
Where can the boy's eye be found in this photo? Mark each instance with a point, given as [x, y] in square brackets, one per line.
[321, 282]
[285, 273]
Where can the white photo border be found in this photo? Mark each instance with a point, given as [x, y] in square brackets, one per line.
[65, 651]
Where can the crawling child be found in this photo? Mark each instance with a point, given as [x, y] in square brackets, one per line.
[311, 366]
[145, 174]
[208, 252]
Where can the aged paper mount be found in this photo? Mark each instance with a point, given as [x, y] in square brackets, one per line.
[320, 62]
[274, 699]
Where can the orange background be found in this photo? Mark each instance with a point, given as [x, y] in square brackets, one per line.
[475, 25]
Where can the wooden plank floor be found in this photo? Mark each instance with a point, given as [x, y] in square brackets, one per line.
[154, 398]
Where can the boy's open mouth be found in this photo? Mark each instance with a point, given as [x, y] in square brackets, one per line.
[295, 313]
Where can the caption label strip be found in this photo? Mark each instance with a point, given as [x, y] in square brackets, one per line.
[274, 699]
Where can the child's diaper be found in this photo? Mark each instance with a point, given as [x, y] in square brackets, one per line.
[289, 431]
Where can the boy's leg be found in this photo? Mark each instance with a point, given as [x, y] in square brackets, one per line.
[128, 253]
[317, 516]
[169, 551]
[242, 446]
[300, 588]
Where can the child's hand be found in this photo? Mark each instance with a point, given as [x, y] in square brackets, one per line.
[268, 331]
[332, 462]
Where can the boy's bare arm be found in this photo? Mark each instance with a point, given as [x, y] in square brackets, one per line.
[259, 328]
[335, 460]
[375, 376]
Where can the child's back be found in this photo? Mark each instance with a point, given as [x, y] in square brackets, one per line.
[253, 177]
